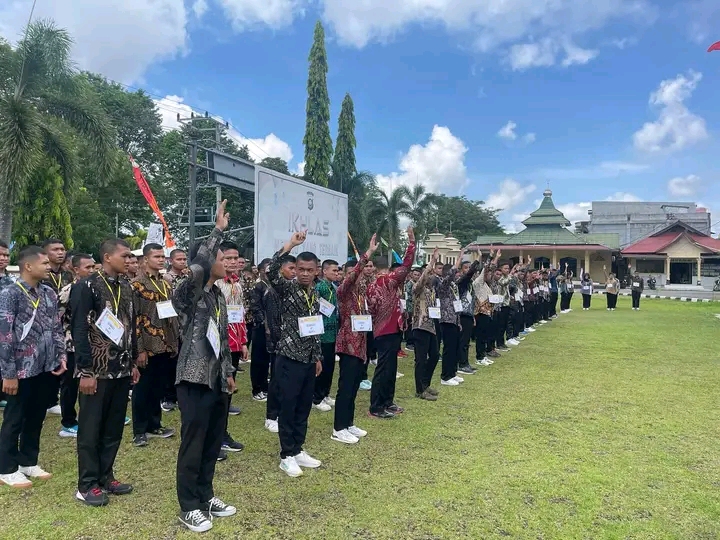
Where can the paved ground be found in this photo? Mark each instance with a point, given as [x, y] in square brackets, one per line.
[689, 296]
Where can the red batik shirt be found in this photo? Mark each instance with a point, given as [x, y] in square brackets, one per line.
[233, 291]
[351, 301]
[384, 297]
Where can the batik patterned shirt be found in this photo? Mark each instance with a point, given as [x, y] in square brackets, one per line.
[42, 349]
[235, 296]
[352, 295]
[384, 297]
[328, 292]
[424, 298]
[155, 335]
[447, 291]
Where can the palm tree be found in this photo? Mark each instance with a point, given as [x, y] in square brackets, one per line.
[385, 211]
[421, 206]
[45, 106]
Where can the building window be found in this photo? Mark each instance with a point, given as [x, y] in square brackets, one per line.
[650, 266]
[711, 267]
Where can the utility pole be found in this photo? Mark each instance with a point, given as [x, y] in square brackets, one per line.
[192, 183]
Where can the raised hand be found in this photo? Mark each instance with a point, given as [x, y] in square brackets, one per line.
[411, 235]
[373, 245]
[298, 238]
[222, 218]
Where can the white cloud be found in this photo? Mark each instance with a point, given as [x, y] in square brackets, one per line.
[508, 131]
[245, 14]
[510, 193]
[621, 196]
[676, 127]
[199, 8]
[439, 165]
[575, 211]
[299, 169]
[686, 186]
[547, 52]
[268, 146]
[493, 24]
[118, 38]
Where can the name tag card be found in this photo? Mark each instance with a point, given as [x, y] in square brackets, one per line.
[27, 326]
[496, 299]
[403, 305]
[586, 288]
[361, 323]
[529, 291]
[636, 283]
[434, 312]
[326, 308]
[111, 326]
[570, 285]
[166, 310]
[311, 326]
[536, 290]
[457, 305]
[236, 314]
[213, 336]
[518, 297]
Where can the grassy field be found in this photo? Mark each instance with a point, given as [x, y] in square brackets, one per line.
[600, 425]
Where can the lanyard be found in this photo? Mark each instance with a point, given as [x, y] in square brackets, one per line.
[217, 315]
[455, 291]
[57, 282]
[163, 293]
[359, 297]
[116, 301]
[310, 302]
[35, 303]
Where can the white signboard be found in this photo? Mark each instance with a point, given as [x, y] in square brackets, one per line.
[284, 205]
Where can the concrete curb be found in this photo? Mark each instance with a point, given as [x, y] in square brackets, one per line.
[680, 298]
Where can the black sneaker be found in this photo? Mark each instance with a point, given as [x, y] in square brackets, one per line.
[161, 433]
[140, 440]
[384, 415]
[427, 396]
[467, 370]
[233, 410]
[118, 488]
[430, 390]
[231, 445]
[196, 521]
[168, 406]
[93, 497]
[395, 409]
[222, 456]
[217, 508]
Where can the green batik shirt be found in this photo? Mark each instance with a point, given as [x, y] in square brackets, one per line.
[328, 291]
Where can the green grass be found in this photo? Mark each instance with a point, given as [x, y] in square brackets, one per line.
[600, 425]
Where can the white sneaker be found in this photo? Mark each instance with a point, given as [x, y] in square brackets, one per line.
[16, 480]
[35, 472]
[271, 425]
[290, 467]
[330, 401]
[458, 379]
[322, 406]
[359, 433]
[543, 322]
[449, 382]
[56, 410]
[484, 362]
[513, 342]
[306, 460]
[531, 329]
[398, 375]
[344, 436]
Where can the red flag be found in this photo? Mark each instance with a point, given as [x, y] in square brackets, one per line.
[150, 198]
[714, 47]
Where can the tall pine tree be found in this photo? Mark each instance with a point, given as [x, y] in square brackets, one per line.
[343, 165]
[317, 141]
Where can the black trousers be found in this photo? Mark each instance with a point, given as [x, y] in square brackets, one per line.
[636, 298]
[409, 335]
[323, 382]
[517, 318]
[170, 394]
[587, 298]
[570, 295]
[54, 392]
[69, 393]
[451, 350]
[426, 358]
[382, 393]
[351, 375]
[147, 395]
[272, 407]
[22, 422]
[100, 427]
[564, 301]
[296, 383]
[484, 342]
[203, 416]
[611, 300]
[260, 361]
[553, 303]
[467, 326]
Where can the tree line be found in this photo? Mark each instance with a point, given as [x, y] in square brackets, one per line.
[65, 137]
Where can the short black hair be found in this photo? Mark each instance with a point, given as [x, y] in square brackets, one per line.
[175, 252]
[152, 247]
[51, 241]
[133, 256]
[504, 263]
[439, 263]
[78, 258]
[108, 247]
[447, 268]
[228, 245]
[263, 264]
[29, 253]
[329, 262]
[3, 244]
[307, 256]
[285, 259]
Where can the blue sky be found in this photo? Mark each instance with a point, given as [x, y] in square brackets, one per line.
[493, 99]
